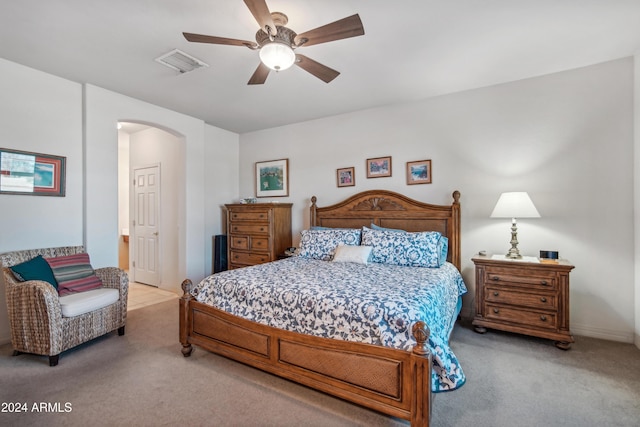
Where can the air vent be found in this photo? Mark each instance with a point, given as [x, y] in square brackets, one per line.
[180, 61]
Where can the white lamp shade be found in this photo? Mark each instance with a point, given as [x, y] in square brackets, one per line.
[516, 204]
[277, 56]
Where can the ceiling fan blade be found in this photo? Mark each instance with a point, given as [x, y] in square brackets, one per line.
[342, 29]
[260, 11]
[200, 38]
[322, 72]
[260, 75]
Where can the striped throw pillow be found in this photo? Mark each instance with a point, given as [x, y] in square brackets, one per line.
[74, 273]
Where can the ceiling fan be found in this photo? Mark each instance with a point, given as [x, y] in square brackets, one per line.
[276, 42]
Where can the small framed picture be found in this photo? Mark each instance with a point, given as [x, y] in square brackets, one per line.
[346, 177]
[379, 167]
[272, 178]
[419, 172]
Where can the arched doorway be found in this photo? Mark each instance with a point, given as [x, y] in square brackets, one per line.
[148, 216]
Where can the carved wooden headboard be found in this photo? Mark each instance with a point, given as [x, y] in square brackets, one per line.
[393, 210]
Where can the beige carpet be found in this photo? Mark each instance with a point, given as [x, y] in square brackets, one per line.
[142, 379]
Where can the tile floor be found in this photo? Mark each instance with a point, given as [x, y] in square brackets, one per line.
[141, 295]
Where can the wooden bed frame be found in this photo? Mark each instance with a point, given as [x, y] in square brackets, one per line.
[391, 381]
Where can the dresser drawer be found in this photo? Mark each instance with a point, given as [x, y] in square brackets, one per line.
[502, 295]
[524, 317]
[249, 228]
[239, 242]
[253, 216]
[249, 258]
[259, 244]
[529, 279]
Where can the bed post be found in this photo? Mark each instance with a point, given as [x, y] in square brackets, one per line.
[312, 217]
[421, 377]
[454, 243]
[185, 316]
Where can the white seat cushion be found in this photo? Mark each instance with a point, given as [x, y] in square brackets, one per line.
[84, 302]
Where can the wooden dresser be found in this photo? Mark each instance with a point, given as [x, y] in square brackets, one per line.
[257, 233]
[523, 297]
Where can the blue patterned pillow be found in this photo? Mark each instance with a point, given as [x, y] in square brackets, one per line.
[321, 244]
[443, 244]
[407, 249]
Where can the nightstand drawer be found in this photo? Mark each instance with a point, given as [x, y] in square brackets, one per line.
[253, 216]
[249, 258]
[501, 295]
[522, 278]
[250, 228]
[529, 318]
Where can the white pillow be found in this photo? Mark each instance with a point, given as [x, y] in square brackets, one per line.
[359, 254]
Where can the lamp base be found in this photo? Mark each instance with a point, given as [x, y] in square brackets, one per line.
[514, 253]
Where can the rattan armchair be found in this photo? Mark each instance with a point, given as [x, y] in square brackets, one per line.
[35, 317]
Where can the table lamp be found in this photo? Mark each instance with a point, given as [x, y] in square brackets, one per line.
[514, 205]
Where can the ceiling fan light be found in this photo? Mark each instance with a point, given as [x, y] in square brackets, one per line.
[277, 56]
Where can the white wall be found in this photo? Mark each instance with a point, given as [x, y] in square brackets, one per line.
[566, 138]
[103, 110]
[40, 113]
[43, 113]
[636, 180]
[221, 182]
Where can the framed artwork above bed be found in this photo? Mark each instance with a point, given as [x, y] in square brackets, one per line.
[419, 172]
[379, 167]
[346, 177]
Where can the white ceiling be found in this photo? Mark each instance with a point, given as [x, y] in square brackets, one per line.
[412, 49]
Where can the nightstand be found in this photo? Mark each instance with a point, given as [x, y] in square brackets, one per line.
[523, 297]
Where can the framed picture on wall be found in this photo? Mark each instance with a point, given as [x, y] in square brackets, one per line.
[379, 167]
[419, 172]
[346, 177]
[272, 178]
[35, 174]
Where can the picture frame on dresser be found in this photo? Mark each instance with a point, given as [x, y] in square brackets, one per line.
[272, 178]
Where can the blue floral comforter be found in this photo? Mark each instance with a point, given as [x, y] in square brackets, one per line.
[369, 303]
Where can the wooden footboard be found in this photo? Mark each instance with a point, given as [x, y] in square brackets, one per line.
[391, 381]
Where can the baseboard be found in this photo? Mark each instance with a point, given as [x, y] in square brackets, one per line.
[5, 339]
[605, 334]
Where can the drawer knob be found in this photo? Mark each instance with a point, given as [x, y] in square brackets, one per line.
[235, 228]
[543, 318]
[543, 299]
[495, 294]
[261, 228]
[496, 311]
[495, 278]
[544, 283]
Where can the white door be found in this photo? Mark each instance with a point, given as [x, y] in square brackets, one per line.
[146, 225]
